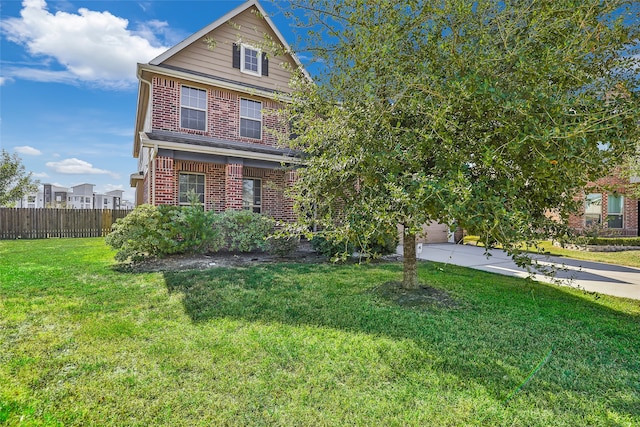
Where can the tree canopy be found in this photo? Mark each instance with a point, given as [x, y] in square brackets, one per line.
[488, 115]
[14, 181]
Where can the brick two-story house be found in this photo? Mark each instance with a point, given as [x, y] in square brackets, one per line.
[206, 118]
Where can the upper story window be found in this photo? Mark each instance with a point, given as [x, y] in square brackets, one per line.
[250, 118]
[193, 108]
[250, 60]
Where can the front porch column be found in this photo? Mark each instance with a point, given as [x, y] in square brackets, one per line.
[233, 186]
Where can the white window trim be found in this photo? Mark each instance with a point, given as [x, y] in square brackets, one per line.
[242, 60]
[249, 118]
[206, 113]
[204, 193]
[253, 205]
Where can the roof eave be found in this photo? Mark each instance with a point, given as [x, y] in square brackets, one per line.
[145, 141]
[212, 81]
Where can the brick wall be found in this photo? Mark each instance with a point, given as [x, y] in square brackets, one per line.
[223, 112]
[233, 186]
[223, 185]
[214, 197]
[166, 188]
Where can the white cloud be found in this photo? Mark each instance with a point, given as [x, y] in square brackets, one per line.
[40, 75]
[40, 175]
[111, 187]
[75, 166]
[28, 151]
[91, 46]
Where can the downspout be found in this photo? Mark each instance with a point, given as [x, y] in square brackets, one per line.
[152, 173]
[150, 187]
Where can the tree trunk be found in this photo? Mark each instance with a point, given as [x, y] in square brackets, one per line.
[410, 278]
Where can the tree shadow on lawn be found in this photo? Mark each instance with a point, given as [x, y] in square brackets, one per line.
[493, 330]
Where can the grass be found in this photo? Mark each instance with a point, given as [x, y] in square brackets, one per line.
[295, 344]
[627, 258]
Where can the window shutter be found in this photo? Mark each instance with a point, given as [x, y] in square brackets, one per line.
[236, 56]
[265, 64]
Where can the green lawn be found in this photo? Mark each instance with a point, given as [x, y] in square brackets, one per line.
[302, 345]
[628, 258]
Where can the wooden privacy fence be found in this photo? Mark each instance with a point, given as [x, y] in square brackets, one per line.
[42, 223]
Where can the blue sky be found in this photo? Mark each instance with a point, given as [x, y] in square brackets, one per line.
[67, 80]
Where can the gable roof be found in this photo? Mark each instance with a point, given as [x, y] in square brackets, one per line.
[222, 20]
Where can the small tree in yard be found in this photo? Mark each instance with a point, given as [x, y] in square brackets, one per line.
[489, 114]
[14, 181]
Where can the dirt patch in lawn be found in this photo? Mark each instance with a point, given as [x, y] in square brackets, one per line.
[424, 297]
[304, 254]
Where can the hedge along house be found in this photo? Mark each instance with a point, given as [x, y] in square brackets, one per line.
[206, 118]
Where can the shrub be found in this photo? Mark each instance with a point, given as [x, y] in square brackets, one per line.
[282, 245]
[138, 235]
[380, 243]
[244, 231]
[615, 241]
[332, 247]
[189, 229]
[149, 232]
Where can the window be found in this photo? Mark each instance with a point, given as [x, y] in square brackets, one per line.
[252, 194]
[190, 183]
[250, 119]
[593, 209]
[193, 108]
[615, 204]
[250, 60]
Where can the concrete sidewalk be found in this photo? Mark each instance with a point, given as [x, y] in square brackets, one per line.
[598, 277]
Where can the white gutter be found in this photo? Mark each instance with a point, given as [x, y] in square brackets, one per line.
[149, 102]
[227, 152]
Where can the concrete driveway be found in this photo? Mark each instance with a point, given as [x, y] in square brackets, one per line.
[598, 277]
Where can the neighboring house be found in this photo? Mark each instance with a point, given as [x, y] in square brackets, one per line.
[206, 119]
[607, 210]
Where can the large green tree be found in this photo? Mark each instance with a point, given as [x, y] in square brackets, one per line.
[14, 181]
[488, 115]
